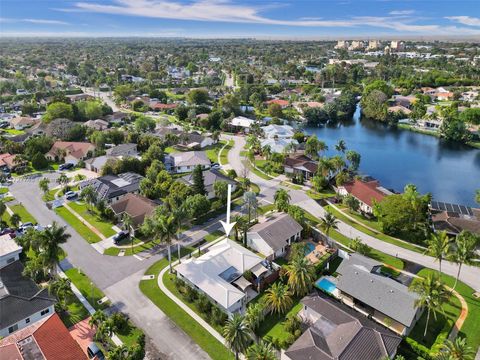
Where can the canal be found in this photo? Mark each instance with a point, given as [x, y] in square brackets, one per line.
[451, 172]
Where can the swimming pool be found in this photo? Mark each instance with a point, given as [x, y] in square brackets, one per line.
[325, 285]
[309, 247]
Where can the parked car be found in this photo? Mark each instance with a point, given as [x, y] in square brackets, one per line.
[215, 166]
[93, 351]
[120, 236]
[8, 231]
[69, 195]
[66, 166]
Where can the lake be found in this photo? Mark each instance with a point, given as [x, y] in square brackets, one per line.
[451, 172]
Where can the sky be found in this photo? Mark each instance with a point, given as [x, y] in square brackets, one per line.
[241, 18]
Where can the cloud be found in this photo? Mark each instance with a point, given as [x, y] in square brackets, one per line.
[34, 21]
[465, 20]
[402, 12]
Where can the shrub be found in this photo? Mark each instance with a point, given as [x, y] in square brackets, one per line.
[292, 324]
[39, 161]
[119, 321]
[218, 316]
[418, 349]
[203, 304]
[190, 294]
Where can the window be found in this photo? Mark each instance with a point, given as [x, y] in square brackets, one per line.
[46, 311]
[13, 328]
[27, 320]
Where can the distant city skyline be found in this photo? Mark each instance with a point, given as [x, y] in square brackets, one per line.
[336, 19]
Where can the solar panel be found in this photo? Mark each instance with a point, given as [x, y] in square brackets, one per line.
[454, 208]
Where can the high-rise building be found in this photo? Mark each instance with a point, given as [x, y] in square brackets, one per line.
[356, 45]
[397, 45]
[342, 44]
[374, 45]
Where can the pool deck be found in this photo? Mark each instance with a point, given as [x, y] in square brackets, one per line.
[318, 252]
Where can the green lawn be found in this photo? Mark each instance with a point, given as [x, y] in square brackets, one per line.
[261, 164]
[50, 195]
[273, 325]
[213, 150]
[87, 288]
[130, 335]
[224, 153]
[375, 225]
[215, 349]
[79, 227]
[321, 195]
[75, 313]
[93, 219]
[3, 190]
[24, 214]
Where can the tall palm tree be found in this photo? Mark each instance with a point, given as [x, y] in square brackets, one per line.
[254, 315]
[465, 244]
[61, 289]
[89, 195]
[432, 295]
[43, 184]
[328, 222]
[456, 350]
[63, 180]
[236, 334]
[282, 199]
[15, 220]
[97, 318]
[167, 231]
[267, 151]
[278, 298]
[49, 241]
[301, 275]
[438, 246]
[3, 208]
[261, 351]
[324, 167]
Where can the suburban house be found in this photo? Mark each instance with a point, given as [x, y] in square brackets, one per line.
[182, 162]
[454, 218]
[337, 332]
[22, 302]
[80, 97]
[210, 177]
[302, 106]
[9, 162]
[273, 237]
[278, 145]
[362, 286]
[136, 206]
[96, 164]
[278, 131]
[70, 152]
[219, 274]
[123, 150]
[47, 339]
[97, 124]
[194, 140]
[112, 188]
[241, 123]
[365, 191]
[9, 250]
[20, 123]
[300, 164]
[117, 117]
[283, 103]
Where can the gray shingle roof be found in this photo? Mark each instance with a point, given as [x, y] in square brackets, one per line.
[381, 293]
[110, 186]
[209, 178]
[20, 297]
[277, 230]
[341, 333]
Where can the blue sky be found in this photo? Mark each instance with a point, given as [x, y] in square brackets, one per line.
[239, 18]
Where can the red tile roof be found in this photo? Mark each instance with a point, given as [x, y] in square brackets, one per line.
[277, 101]
[365, 191]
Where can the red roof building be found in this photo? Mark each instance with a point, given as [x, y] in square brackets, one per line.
[366, 192]
[47, 339]
[282, 103]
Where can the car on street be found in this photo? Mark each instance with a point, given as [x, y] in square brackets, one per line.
[66, 166]
[215, 166]
[120, 236]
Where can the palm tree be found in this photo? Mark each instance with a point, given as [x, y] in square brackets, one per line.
[43, 184]
[236, 334]
[61, 289]
[282, 199]
[324, 167]
[464, 253]
[49, 241]
[278, 298]
[127, 223]
[301, 275]
[97, 318]
[164, 228]
[456, 350]
[254, 315]
[15, 220]
[328, 222]
[267, 151]
[89, 195]
[118, 353]
[341, 146]
[438, 246]
[358, 246]
[250, 205]
[432, 295]
[63, 180]
[3, 208]
[261, 351]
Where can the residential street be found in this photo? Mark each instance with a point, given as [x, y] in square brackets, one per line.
[469, 274]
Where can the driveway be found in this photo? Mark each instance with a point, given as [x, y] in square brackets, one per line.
[469, 274]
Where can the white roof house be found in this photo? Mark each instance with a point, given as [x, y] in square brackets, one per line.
[278, 145]
[218, 273]
[278, 131]
[9, 250]
[241, 121]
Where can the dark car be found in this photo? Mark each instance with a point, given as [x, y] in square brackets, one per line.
[120, 236]
[8, 231]
[66, 166]
[93, 351]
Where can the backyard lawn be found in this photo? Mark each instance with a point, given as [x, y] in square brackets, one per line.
[79, 227]
[273, 325]
[87, 288]
[75, 313]
[93, 219]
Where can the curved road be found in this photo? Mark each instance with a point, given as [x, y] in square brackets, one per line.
[470, 274]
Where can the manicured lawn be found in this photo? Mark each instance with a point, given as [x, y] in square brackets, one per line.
[130, 335]
[50, 195]
[215, 349]
[261, 164]
[255, 188]
[224, 153]
[112, 251]
[170, 150]
[377, 234]
[75, 313]
[273, 325]
[24, 214]
[321, 195]
[79, 227]
[213, 150]
[87, 288]
[93, 218]
[266, 208]
[3, 190]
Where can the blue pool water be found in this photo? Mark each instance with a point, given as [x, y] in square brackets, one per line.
[326, 285]
[309, 247]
